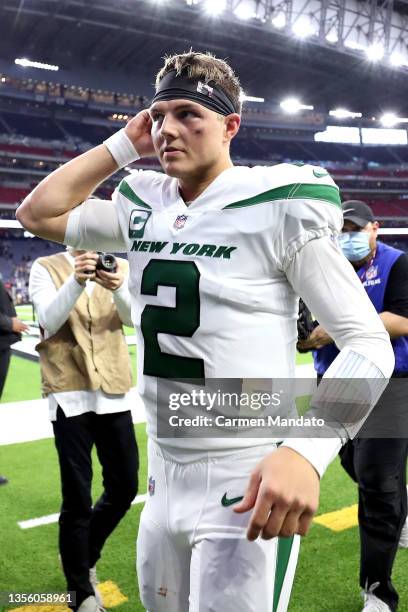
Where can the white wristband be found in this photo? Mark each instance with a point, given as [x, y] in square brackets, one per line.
[121, 148]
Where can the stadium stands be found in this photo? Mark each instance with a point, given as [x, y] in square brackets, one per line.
[46, 124]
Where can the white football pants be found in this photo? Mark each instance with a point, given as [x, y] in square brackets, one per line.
[192, 552]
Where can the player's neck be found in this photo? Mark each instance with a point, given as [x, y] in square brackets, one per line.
[192, 187]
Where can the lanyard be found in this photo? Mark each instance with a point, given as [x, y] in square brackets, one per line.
[366, 268]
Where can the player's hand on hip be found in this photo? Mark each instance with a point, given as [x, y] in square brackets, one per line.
[110, 280]
[85, 266]
[138, 129]
[283, 492]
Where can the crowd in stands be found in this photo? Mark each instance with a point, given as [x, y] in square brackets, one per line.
[59, 92]
[16, 257]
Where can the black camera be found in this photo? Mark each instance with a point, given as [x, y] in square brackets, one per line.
[106, 262]
[305, 324]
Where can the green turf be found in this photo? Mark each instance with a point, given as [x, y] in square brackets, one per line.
[304, 358]
[25, 312]
[29, 558]
[327, 573]
[23, 381]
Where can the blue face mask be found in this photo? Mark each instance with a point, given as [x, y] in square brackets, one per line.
[355, 245]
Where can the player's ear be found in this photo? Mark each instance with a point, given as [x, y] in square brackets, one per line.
[231, 126]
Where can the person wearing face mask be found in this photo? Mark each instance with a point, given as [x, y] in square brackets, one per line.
[377, 464]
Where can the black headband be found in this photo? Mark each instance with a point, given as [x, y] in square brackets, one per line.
[175, 86]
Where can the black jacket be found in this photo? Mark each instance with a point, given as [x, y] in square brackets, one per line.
[7, 311]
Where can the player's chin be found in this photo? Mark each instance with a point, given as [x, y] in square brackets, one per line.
[175, 169]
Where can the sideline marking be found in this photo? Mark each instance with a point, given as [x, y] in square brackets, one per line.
[111, 594]
[53, 518]
[339, 520]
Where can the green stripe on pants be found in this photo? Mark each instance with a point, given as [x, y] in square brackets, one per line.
[283, 556]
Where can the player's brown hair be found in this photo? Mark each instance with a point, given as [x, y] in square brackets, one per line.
[206, 67]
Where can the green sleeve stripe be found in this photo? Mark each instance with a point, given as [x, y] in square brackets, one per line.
[128, 192]
[296, 191]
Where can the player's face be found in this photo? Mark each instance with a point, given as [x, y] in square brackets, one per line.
[189, 139]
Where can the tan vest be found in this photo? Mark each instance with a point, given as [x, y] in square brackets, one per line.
[89, 351]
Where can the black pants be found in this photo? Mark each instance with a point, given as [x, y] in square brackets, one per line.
[83, 529]
[378, 465]
[4, 366]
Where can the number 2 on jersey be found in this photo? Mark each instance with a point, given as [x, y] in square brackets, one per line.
[181, 320]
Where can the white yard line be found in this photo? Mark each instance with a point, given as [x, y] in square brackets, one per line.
[53, 518]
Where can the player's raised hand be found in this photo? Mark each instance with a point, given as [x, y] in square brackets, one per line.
[138, 130]
[284, 493]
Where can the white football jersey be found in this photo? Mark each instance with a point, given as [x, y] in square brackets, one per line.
[210, 297]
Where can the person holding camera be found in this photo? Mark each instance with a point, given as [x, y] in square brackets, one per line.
[82, 301]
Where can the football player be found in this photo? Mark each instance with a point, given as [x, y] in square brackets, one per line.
[218, 256]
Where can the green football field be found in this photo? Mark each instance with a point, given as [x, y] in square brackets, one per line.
[327, 575]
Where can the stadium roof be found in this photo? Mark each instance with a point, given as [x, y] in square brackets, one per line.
[118, 45]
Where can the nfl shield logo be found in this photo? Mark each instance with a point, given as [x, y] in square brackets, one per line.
[180, 221]
[151, 486]
[371, 272]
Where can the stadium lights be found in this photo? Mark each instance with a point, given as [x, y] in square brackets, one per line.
[303, 28]
[279, 21]
[397, 59]
[332, 37]
[214, 7]
[342, 113]
[375, 52]
[388, 120]
[245, 98]
[26, 63]
[293, 105]
[244, 12]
